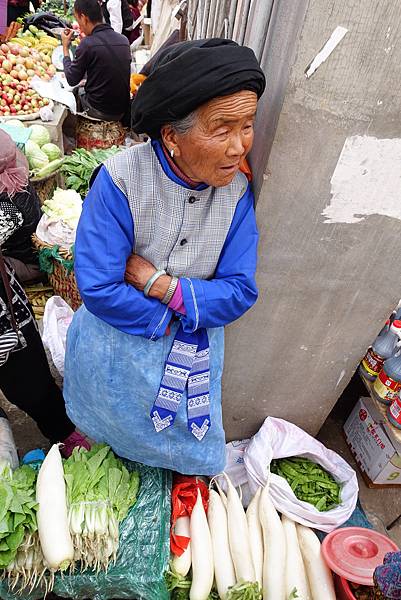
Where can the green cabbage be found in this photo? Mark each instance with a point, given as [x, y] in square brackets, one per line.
[52, 151]
[39, 134]
[36, 158]
[15, 123]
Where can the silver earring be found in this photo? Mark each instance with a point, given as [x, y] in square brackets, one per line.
[172, 153]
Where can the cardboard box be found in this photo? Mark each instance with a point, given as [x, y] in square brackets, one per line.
[374, 442]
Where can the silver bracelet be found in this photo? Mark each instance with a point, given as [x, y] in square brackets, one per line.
[171, 289]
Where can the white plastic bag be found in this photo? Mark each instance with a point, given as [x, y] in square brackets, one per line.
[280, 439]
[56, 321]
[235, 469]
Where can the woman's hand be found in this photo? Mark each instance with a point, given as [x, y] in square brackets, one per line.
[138, 271]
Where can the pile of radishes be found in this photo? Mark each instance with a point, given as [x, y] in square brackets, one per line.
[250, 555]
[17, 66]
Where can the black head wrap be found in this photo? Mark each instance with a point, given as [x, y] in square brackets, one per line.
[186, 75]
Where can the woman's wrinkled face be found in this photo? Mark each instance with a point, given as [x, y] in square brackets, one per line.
[222, 136]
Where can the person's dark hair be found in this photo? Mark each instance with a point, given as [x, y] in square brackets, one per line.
[90, 8]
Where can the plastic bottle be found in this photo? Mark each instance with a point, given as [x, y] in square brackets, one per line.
[382, 348]
[394, 412]
[8, 450]
[386, 327]
[388, 383]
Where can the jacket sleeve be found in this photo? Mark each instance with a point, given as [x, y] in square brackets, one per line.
[11, 219]
[116, 20]
[232, 291]
[75, 70]
[105, 239]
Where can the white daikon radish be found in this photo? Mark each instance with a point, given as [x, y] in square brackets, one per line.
[238, 536]
[295, 574]
[274, 587]
[222, 494]
[319, 574]
[256, 536]
[223, 565]
[54, 532]
[202, 553]
[182, 564]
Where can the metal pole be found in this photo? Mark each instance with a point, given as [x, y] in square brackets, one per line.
[243, 20]
[258, 25]
[210, 23]
[205, 18]
[237, 20]
[231, 18]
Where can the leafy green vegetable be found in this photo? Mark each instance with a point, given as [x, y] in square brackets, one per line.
[52, 151]
[36, 158]
[309, 482]
[100, 492]
[17, 509]
[293, 595]
[40, 135]
[180, 586]
[79, 166]
[245, 591]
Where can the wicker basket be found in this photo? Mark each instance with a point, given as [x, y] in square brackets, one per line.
[63, 282]
[99, 134]
[45, 186]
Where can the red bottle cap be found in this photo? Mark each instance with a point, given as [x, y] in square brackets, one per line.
[355, 552]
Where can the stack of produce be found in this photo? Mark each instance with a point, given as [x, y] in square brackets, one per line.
[44, 158]
[309, 482]
[10, 32]
[46, 524]
[21, 62]
[250, 555]
[57, 8]
[100, 491]
[37, 39]
[17, 66]
[38, 295]
[79, 166]
[20, 554]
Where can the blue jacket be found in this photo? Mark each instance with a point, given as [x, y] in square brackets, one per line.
[105, 240]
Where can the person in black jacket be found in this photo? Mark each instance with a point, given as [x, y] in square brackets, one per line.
[104, 58]
[25, 377]
[17, 246]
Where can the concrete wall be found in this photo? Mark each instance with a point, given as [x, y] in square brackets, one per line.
[325, 288]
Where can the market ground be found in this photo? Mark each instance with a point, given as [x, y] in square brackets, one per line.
[380, 505]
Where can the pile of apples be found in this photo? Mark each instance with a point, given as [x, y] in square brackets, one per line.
[17, 65]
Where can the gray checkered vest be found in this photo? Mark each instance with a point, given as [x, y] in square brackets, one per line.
[180, 230]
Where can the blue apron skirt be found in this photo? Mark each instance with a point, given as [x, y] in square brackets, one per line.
[111, 381]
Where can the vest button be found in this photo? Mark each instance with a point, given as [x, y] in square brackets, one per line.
[192, 199]
[183, 242]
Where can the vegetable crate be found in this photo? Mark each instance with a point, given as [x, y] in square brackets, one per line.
[59, 266]
[99, 134]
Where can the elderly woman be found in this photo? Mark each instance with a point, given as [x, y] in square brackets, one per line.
[165, 258]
